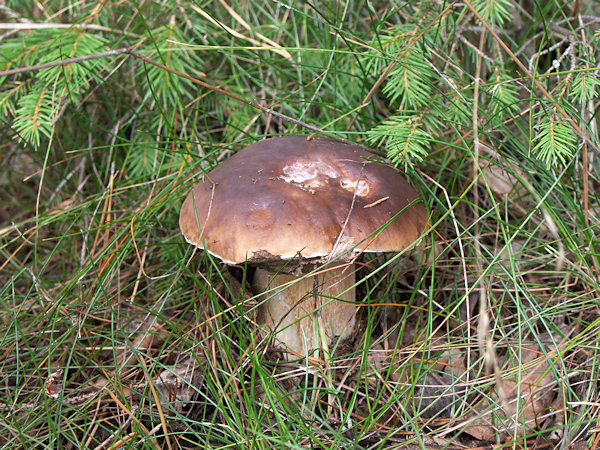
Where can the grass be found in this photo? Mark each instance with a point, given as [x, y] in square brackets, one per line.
[115, 333]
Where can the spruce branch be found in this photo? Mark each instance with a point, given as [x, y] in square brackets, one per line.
[233, 96]
[497, 12]
[401, 54]
[38, 109]
[555, 140]
[584, 87]
[64, 62]
[528, 74]
[410, 82]
[130, 52]
[406, 140]
[33, 115]
[504, 98]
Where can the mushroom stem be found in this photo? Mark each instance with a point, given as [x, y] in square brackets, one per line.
[290, 306]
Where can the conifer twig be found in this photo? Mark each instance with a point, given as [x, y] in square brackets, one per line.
[128, 51]
[64, 62]
[393, 64]
[528, 74]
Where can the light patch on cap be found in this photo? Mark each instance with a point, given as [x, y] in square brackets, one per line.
[298, 172]
[316, 174]
[360, 187]
[308, 174]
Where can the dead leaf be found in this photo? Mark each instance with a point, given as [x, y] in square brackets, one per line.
[180, 382]
[142, 332]
[525, 396]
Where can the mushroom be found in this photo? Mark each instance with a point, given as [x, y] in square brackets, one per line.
[289, 204]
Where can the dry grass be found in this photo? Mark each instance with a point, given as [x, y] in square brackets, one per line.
[114, 333]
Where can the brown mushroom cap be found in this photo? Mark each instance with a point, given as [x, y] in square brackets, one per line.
[289, 196]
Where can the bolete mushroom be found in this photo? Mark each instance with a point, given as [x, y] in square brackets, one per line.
[286, 204]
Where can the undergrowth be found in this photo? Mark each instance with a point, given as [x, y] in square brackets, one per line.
[115, 333]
